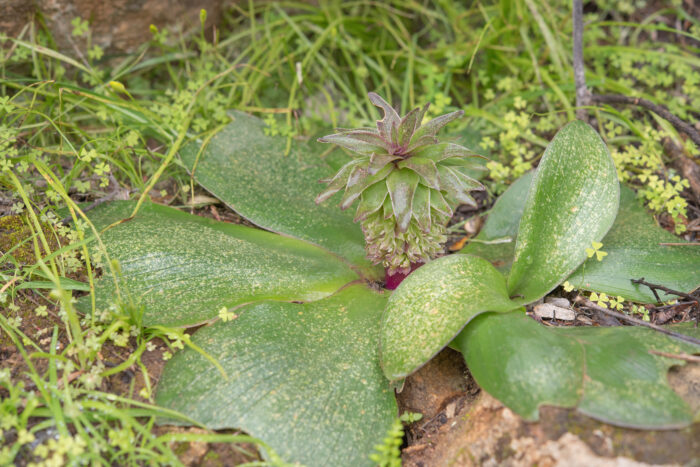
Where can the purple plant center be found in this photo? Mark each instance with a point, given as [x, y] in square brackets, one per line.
[393, 280]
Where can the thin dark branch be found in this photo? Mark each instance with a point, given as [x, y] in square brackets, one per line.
[659, 110]
[582, 93]
[623, 317]
[665, 307]
[655, 287]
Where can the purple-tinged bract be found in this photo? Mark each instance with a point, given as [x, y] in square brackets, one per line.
[406, 181]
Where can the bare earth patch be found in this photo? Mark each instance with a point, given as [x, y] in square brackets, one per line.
[463, 426]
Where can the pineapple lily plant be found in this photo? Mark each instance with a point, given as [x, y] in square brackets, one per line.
[308, 352]
[407, 185]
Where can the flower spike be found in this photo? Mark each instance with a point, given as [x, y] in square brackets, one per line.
[407, 184]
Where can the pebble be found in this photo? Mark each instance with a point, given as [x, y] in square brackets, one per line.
[558, 301]
[549, 310]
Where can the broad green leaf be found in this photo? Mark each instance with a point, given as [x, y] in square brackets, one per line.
[474, 167]
[420, 143]
[432, 305]
[496, 240]
[625, 383]
[533, 366]
[635, 250]
[182, 269]
[633, 245]
[572, 202]
[607, 373]
[303, 378]
[247, 170]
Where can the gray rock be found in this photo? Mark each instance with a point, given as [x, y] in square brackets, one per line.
[551, 311]
[558, 301]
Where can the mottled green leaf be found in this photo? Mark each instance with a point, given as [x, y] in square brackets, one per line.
[533, 366]
[496, 240]
[359, 182]
[379, 161]
[421, 208]
[371, 200]
[388, 126]
[303, 378]
[474, 167]
[182, 269]
[432, 305]
[465, 178]
[387, 209]
[370, 136]
[442, 151]
[635, 250]
[408, 125]
[573, 201]
[248, 171]
[433, 126]
[352, 143]
[338, 182]
[438, 203]
[402, 185]
[455, 186]
[607, 373]
[417, 144]
[633, 245]
[423, 167]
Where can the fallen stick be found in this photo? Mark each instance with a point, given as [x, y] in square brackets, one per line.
[623, 317]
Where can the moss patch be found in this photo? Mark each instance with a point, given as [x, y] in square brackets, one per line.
[16, 235]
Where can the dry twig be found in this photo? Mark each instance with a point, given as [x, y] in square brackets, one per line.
[629, 319]
[655, 287]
